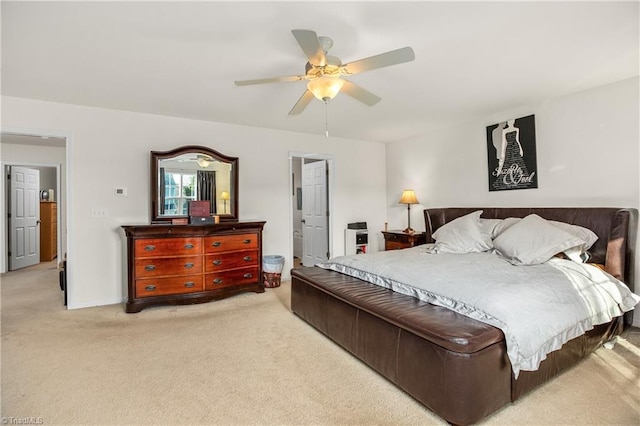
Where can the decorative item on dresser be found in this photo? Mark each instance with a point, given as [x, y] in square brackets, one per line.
[48, 231]
[186, 264]
[395, 240]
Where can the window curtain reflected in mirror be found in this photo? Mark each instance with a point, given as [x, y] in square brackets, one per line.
[207, 188]
[161, 189]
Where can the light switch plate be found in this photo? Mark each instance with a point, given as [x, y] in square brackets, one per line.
[97, 213]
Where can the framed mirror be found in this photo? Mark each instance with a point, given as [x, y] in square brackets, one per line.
[193, 173]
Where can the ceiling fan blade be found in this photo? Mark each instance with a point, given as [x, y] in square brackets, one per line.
[308, 41]
[359, 93]
[270, 80]
[392, 57]
[302, 103]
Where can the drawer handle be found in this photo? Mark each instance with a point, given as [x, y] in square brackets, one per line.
[150, 247]
[150, 288]
[248, 275]
[188, 265]
[217, 262]
[216, 244]
[217, 281]
[150, 268]
[247, 241]
[188, 246]
[247, 258]
[189, 284]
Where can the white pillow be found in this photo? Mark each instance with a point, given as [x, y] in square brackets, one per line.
[585, 234]
[487, 226]
[462, 235]
[504, 225]
[533, 240]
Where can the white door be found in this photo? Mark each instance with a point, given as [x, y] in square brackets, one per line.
[315, 217]
[24, 236]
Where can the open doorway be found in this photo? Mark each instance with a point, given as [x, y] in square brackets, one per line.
[311, 183]
[43, 156]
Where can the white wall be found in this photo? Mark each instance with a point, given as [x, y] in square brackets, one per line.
[47, 178]
[111, 148]
[296, 215]
[587, 155]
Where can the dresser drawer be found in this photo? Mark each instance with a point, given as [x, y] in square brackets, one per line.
[220, 243]
[395, 245]
[223, 261]
[396, 238]
[172, 285]
[166, 266]
[231, 278]
[152, 247]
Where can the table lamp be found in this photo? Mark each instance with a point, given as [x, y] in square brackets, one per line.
[408, 197]
[224, 196]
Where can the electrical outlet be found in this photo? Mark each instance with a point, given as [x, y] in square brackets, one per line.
[96, 213]
[121, 191]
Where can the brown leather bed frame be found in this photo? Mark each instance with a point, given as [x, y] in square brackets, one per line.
[454, 365]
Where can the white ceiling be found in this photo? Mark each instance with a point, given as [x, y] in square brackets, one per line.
[33, 140]
[179, 59]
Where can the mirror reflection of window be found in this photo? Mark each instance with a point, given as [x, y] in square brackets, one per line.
[180, 188]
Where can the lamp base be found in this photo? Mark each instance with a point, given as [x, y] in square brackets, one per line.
[409, 231]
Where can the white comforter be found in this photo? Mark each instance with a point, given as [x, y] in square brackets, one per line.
[538, 308]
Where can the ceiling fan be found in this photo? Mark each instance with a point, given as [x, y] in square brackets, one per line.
[202, 160]
[325, 73]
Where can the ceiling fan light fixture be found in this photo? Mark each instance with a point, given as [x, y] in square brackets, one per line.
[325, 88]
[323, 71]
[204, 162]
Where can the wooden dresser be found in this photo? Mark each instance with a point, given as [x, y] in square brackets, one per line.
[185, 264]
[48, 231]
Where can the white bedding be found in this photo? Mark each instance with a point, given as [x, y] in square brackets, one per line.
[538, 307]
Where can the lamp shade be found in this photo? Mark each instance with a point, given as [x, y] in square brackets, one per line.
[408, 197]
[325, 88]
[224, 195]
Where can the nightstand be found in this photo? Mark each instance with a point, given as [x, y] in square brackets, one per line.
[395, 240]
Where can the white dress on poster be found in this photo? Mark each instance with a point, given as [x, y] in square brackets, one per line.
[513, 133]
[496, 139]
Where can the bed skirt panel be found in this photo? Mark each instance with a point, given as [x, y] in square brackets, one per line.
[570, 353]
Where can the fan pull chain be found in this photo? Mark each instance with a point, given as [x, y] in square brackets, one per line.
[326, 119]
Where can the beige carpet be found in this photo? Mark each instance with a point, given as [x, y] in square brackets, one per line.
[246, 360]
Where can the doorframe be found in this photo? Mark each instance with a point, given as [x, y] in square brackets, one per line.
[68, 200]
[330, 186]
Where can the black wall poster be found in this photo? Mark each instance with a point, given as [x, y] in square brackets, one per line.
[511, 154]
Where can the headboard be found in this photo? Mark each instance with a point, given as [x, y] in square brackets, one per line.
[616, 230]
